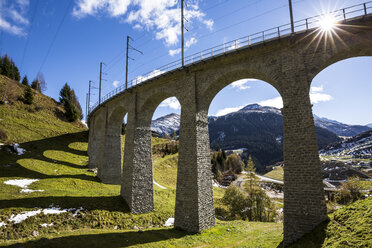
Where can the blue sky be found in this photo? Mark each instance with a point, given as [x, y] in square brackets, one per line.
[66, 41]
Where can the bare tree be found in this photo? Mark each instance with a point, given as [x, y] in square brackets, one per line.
[41, 79]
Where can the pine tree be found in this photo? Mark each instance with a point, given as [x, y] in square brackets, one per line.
[28, 95]
[65, 94]
[70, 102]
[25, 81]
[71, 112]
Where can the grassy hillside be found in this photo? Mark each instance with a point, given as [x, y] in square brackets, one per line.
[22, 123]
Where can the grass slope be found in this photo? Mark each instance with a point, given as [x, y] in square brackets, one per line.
[350, 226]
[277, 174]
[22, 123]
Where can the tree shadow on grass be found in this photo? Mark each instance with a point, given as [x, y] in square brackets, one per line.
[36, 149]
[313, 239]
[109, 203]
[107, 240]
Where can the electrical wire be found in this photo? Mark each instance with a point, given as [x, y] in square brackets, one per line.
[29, 33]
[56, 34]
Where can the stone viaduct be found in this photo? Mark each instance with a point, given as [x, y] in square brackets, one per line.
[289, 64]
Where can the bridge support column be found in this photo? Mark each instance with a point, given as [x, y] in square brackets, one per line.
[304, 202]
[96, 137]
[137, 179]
[110, 169]
[194, 197]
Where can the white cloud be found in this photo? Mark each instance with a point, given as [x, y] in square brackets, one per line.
[115, 83]
[114, 8]
[316, 95]
[242, 84]
[173, 52]
[320, 97]
[160, 16]
[170, 102]
[12, 19]
[13, 29]
[191, 42]
[226, 111]
[317, 89]
[275, 102]
[154, 73]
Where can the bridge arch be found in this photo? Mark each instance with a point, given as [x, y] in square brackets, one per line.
[226, 79]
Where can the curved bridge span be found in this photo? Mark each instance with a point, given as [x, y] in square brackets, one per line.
[288, 63]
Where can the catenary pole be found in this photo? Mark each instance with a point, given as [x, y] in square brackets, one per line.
[291, 16]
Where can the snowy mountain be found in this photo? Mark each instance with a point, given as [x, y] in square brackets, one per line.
[259, 130]
[357, 146]
[369, 125]
[166, 124]
[339, 128]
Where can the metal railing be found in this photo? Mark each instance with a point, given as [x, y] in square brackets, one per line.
[246, 41]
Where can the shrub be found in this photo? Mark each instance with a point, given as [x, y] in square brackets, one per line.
[350, 191]
[28, 96]
[252, 206]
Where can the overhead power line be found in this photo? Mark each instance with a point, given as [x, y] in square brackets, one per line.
[56, 34]
[29, 33]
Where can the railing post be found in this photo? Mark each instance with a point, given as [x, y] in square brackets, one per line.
[249, 41]
[212, 51]
[263, 36]
[278, 32]
[201, 55]
[365, 8]
[224, 48]
[235, 44]
[343, 11]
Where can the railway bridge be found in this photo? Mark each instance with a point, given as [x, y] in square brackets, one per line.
[287, 61]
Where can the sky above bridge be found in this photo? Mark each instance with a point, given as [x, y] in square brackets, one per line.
[66, 41]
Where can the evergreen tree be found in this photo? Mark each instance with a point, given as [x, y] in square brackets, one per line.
[70, 102]
[75, 101]
[28, 95]
[65, 94]
[25, 81]
[71, 112]
[6, 69]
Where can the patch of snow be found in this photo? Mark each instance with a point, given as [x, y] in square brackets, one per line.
[77, 211]
[1, 144]
[46, 225]
[19, 150]
[2, 224]
[169, 222]
[51, 210]
[217, 185]
[23, 216]
[31, 190]
[54, 210]
[23, 183]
